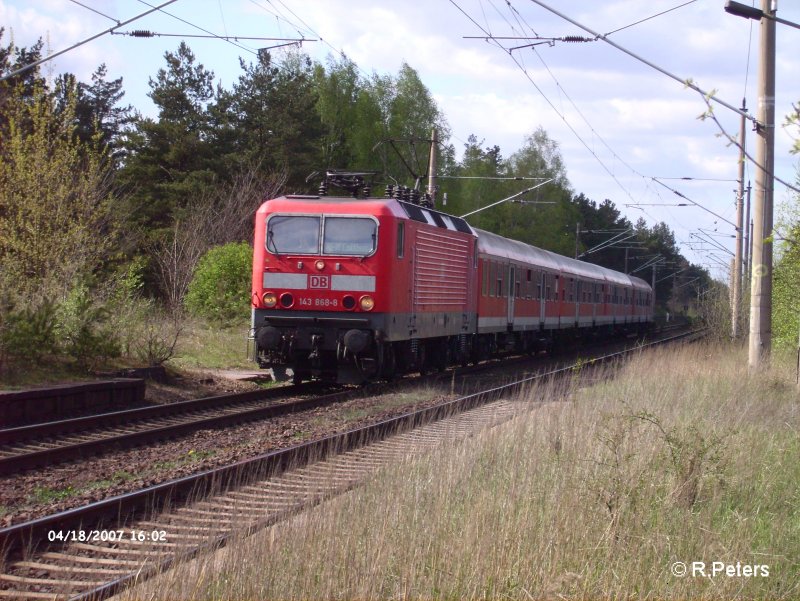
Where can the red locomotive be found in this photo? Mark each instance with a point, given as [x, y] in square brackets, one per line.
[348, 289]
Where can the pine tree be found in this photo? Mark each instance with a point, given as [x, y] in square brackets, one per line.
[172, 159]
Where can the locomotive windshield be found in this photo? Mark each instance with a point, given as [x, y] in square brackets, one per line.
[349, 236]
[300, 234]
[293, 234]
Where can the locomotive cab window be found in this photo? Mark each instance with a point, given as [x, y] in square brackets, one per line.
[295, 234]
[356, 236]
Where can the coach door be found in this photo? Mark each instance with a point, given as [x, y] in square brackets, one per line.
[541, 294]
[511, 290]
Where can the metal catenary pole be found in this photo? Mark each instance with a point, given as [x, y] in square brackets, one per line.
[736, 308]
[760, 342]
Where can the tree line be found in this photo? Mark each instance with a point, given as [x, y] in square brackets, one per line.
[101, 201]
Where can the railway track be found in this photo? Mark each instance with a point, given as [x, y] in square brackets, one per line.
[127, 539]
[38, 445]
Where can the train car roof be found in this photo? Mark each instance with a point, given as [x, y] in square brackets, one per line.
[639, 283]
[515, 250]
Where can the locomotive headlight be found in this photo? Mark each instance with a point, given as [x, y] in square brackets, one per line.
[367, 303]
[270, 300]
[320, 265]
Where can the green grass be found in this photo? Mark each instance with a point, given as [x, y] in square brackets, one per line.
[206, 345]
[190, 457]
[118, 477]
[45, 494]
[200, 345]
[683, 456]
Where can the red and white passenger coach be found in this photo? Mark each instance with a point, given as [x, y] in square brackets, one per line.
[348, 289]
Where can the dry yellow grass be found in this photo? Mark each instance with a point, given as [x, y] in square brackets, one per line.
[682, 457]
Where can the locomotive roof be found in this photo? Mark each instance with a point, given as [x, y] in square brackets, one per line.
[371, 206]
[515, 250]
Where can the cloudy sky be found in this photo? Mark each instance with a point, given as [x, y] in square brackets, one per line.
[619, 122]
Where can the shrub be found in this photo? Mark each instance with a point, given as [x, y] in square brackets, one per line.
[86, 333]
[28, 333]
[220, 288]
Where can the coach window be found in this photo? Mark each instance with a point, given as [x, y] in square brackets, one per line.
[491, 277]
[499, 282]
[484, 278]
[401, 239]
[296, 234]
[356, 236]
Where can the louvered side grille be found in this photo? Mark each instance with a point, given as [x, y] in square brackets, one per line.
[441, 265]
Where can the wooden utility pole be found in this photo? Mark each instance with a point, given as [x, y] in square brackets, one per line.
[760, 343]
[736, 291]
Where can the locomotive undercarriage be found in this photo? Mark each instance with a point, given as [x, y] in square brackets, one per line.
[349, 349]
[358, 356]
[352, 351]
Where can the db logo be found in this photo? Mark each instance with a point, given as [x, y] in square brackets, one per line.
[319, 281]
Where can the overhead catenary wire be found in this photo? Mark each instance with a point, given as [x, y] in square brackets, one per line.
[663, 12]
[145, 33]
[276, 13]
[489, 177]
[94, 10]
[81, 43]
[547, 100]
[520, 21]
[683, 81]
[522, 28]
[524, 24]
[697, 204]
[240, 46]
[594, 131]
